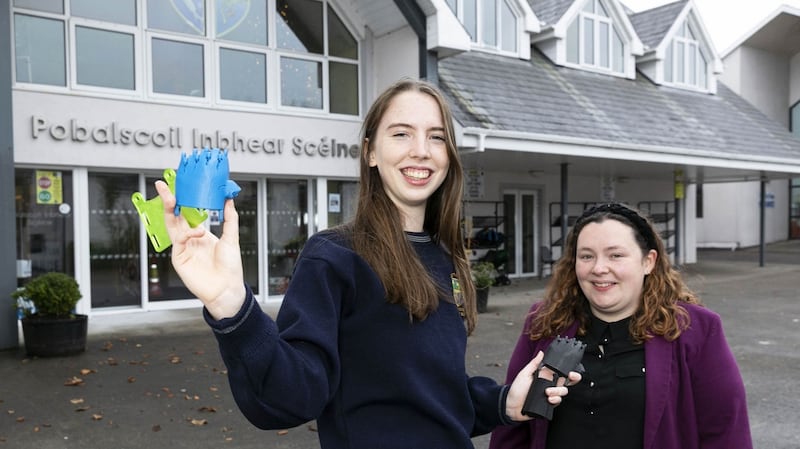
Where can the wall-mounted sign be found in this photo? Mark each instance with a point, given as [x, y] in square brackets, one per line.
[177, 137]
[49, 187]
[334, 203]
[473, 183]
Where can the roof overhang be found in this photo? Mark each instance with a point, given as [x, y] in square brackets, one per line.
[522, 152]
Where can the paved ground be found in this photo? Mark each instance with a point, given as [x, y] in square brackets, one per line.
[155, 380]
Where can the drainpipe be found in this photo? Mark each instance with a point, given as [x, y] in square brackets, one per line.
[8, 249]
[428, 68]
[762, 214]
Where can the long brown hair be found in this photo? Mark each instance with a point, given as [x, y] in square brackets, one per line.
[378, 234]
[659, 313]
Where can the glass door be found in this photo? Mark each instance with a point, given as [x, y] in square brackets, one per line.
[521, 212]
[287, 229]
[114, 241]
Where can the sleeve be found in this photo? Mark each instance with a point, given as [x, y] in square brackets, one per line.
[489, 402]
[719, 393]
[517, 435]
[264, 363]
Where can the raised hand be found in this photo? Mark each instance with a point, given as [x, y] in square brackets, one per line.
[210, 267]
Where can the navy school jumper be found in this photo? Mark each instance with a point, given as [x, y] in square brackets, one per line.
[339, 353]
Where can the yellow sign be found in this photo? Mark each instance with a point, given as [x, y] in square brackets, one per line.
[680, 192]
[49, 188]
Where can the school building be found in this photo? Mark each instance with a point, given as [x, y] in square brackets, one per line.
[559, 104]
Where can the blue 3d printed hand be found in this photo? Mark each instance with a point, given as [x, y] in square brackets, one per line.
[202, 181]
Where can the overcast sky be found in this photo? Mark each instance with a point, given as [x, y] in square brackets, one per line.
[725, 20]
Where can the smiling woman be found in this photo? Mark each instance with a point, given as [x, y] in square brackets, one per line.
[657, 363]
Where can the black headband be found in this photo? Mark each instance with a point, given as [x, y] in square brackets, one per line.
[639, 222]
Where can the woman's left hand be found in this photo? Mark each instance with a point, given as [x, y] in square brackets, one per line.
[518, 391]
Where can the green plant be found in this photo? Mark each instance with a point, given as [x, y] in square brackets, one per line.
[483, 274]
[52, 294]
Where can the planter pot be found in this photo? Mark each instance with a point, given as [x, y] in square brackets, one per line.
[54, 337]
[482, 297]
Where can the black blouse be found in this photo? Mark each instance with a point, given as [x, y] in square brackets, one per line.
[606, 408]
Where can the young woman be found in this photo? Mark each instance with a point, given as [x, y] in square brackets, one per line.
[370, 340]
[659, 372]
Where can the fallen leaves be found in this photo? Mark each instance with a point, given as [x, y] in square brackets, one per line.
[73, 382]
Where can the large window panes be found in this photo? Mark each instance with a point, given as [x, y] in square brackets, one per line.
[287, 229]
[187, 17]
[39, 50]
[177, 68]
[44, 221]
[794, 119]
[104, 58]
[341, 43]
[299, 25]
[243, 75]
[684, 62]
[301, 83]
[114, 240]
[247, 208]
[342, 202]
[240, 21]
[343, 80]
[54, 6]
[116, 11]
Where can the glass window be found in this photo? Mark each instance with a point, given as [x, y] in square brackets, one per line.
[44, 217]
[104, 58]
[114, 240]
[604, 42]
[508, 27]
[39, 50]
[301, 83]
[340, 42]
[588, 41]
[572, 42]
[187, 17]
[470, 19]
[177, 68]
[489, 23]
[669, 64]
[343, 79]
[54, 6]
[242, 21]
[453, 4]
[116, 11]
[685, 62]
[618, 53]
[287, 229]
[300, 26]
[243, 75]
[794, 119]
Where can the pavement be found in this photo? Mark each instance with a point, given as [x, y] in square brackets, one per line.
[155, 379]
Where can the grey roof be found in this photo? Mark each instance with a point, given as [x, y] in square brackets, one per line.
[549, 12]
[652, 25]
[500, 93]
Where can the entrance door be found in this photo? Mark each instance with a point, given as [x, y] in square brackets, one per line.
[521, 213]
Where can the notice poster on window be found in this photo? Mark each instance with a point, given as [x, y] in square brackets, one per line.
[49, 188]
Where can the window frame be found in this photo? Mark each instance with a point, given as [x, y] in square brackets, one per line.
[610, 54]
[143, 63]
[681, 62]
[478, 42]
[72, 60]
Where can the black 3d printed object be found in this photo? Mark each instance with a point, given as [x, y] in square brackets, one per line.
[562, 356]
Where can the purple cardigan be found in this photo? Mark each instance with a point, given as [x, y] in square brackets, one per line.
[695, 397]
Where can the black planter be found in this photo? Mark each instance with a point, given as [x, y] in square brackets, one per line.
[54, 337]
[482, 297]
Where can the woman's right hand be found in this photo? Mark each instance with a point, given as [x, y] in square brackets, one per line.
[210, 267]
